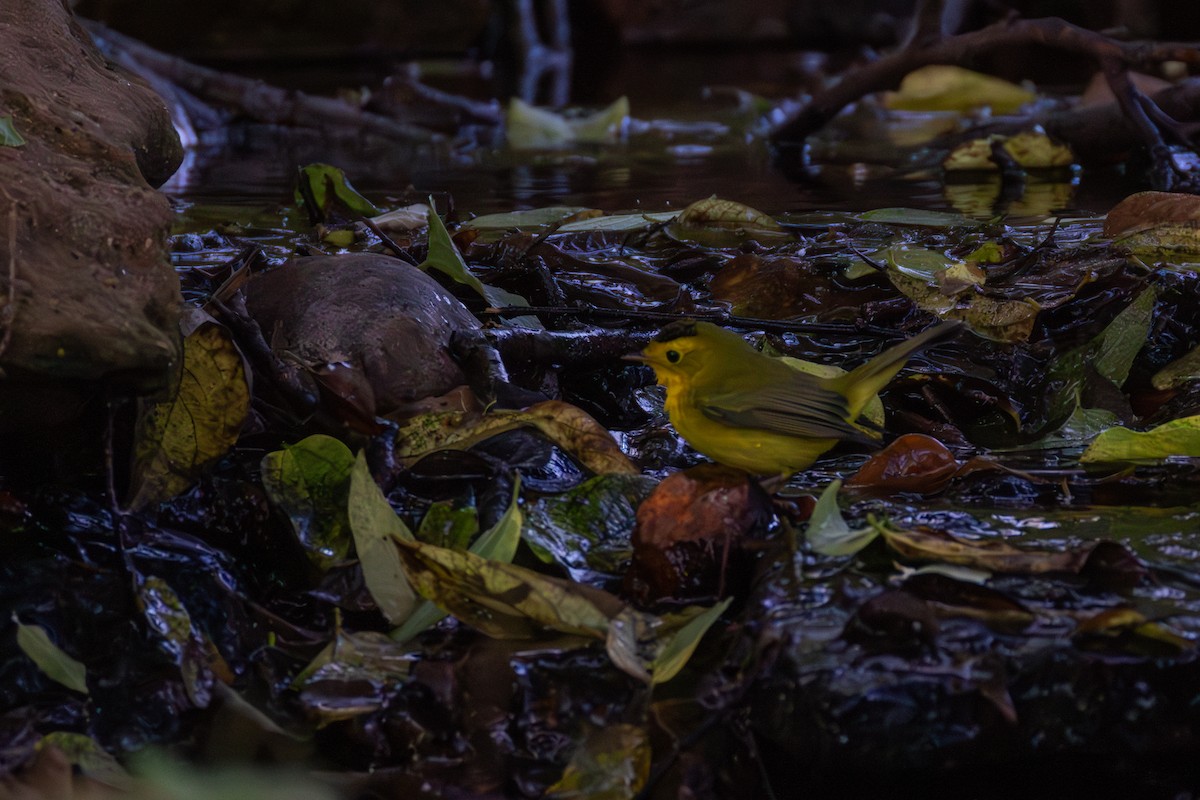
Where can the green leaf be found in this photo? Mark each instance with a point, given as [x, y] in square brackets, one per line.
[169, 618]
[587, 529]
[1110, 353]
[9, 137]
[310, 481]
[499, 544]
[86, 753]
[446, 525]
[376, 528]
[917, 217]
[679, 647]
[1182, 370]
[1081, 427]
[57, 665]
[1179, 437]
[326, 183]
[528, 219]
[445, 258]
[530, 128]
[618, 223]
[177, 439]
[827, 531]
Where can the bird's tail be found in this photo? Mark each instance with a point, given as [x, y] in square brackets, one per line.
[864, 382]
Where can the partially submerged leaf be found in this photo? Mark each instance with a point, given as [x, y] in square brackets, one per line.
[310, 481]
[1129, 631]
[1179, 372]
[1179, 437]
[1031, 149]
[410, 218]
[533, 218]
[178, 438]
[325, 183]
[714, 222]
[912, 463]
[49, 657]
[918, 217]
[375, 527]
[945, 87]
[529, 127]
[827, 531]
[618, 223]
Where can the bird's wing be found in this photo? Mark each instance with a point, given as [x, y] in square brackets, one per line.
[793, 408]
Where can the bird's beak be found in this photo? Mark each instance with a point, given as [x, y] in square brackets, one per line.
[638, 357]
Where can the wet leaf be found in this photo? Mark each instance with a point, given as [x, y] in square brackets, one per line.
[918, 217]
[325, 183]
[50, 659]
[612, 763]
[587, 529]
[945, 87]
[912, 463]
[176, 440]
[927, 544]
[532, 128]
[1147, 210]
[1179, 437]
[86, 753]
[1179, 372]
[503, 600]
[1111, 354]
[447, 525]
[724, 223]
[827, 531]
[403, 220]
[310, 481]
[950, 597]
[1081, 427]
[375, 527]
[919, 274]
[9, 137]
[1028, 149]
[678, 647]
[618, 223]
[1128, 631]
[498, 544]
[566, 425]
[445, 258]
[532, 218]
[169, 618]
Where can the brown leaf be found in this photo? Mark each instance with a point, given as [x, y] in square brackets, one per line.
[1146, 210]
[912, 463]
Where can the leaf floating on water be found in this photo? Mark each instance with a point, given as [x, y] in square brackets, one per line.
[612, 763]
[1029, 149]
[618, 223]
[532, 128]
[533, 218]
[945, 87]
[325, 183]
[1127, 631]
[310, 481]
[1179, 437]
[917, 217]
[49, 657]
[376, 527]
[829, 534]
[177, 439]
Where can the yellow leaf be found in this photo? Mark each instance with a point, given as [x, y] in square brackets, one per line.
[943, 87]
[375, 527]
[177, 439]
[1179, 437]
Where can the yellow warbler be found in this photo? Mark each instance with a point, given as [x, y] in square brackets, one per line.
[748, 410]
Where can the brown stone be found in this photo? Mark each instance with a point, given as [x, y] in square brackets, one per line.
[87, 292]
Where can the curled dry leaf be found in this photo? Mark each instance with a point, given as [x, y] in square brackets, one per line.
[1146, 210]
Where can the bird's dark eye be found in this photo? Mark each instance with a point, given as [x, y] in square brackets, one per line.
[673, 356]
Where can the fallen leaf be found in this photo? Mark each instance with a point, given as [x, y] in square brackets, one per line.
[49, 657]
[912, 463]
[310, 481]
[1179, 437]
[829, 534]
[945, 87]
[612, 763]
[177, 439]
[324, 183]
[375, 527]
